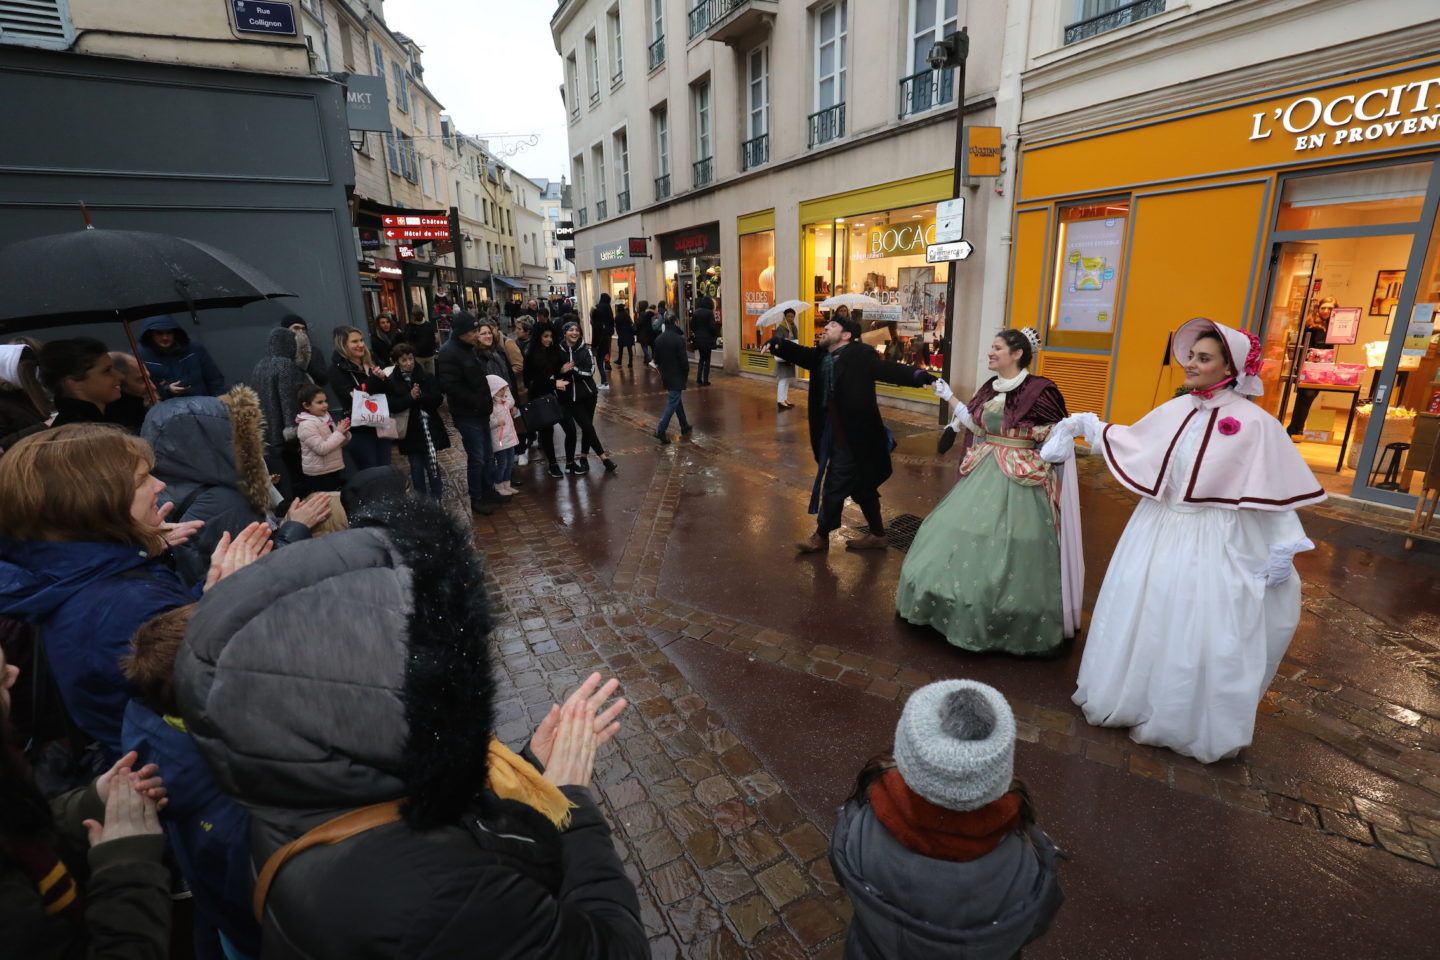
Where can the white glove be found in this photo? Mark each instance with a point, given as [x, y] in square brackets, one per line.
[1085, 425]
[1281, 565]
[962, 420]
[1060, 445]
[943, 391]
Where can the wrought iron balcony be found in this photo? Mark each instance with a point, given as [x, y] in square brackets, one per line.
[755, 151]
[731, 21]
[616, 77]
[600, 210]
[582, 217]
[662, 187]
[704, 171]
[922, 91]
[1118, 15]
[622, 201]
[594, 99]
[827, 124]
[657, 52]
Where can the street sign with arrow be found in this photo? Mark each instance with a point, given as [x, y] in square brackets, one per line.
[948, 252]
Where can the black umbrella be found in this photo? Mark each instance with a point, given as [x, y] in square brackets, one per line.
[94, 276]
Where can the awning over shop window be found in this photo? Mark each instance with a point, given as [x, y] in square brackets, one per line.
[511, 282]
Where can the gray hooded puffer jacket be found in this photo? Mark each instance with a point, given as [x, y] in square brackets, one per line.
[354, 670]
[276, 378]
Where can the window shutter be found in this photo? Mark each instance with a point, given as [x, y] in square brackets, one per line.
[394, 154]
[36, 23]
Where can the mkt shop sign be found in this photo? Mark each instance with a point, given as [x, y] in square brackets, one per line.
[1380, 113]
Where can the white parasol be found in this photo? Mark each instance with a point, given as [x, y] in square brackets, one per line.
[851, 300]
[772, 316]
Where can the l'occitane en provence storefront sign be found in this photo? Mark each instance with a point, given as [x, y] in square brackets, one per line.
[1347, 118]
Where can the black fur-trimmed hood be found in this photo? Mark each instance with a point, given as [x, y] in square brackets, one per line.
[346, 671]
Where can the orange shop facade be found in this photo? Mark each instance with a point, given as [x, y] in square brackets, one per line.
[1257, 213]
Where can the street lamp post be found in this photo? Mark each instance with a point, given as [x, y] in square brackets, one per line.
[951, 52]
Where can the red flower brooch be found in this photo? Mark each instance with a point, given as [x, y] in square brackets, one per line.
[1228, 427]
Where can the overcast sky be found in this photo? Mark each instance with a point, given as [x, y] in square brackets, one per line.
[494, 67]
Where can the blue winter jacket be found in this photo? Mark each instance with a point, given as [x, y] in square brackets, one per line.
[87, 600]
[185, 361]
[207, 832]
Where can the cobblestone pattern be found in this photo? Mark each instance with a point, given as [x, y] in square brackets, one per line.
[725, 863]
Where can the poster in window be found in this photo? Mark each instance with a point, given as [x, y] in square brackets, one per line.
[1344, 325]
[1089, 275]
[1387, 291]
[914, 299]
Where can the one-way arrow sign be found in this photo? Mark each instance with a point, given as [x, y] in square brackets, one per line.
[946, 252]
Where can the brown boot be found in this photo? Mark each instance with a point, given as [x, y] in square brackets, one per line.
[815, 544]
[870, 541]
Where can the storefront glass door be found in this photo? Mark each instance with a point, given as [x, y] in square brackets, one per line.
[1340, 269]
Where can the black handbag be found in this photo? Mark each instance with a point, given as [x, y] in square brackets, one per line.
[542, 413]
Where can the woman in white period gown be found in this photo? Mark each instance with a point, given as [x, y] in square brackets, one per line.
[1200, 600]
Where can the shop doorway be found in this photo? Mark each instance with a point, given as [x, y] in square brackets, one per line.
[1352, 259]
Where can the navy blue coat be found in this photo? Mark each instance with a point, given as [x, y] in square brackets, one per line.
[207, 832]
[87, 600]
[184, 362]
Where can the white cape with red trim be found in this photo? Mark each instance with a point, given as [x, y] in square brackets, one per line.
[1245, 459]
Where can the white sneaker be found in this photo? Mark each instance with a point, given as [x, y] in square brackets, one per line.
[506, 489]
[522, 460]
[653, 365]
[604, 386]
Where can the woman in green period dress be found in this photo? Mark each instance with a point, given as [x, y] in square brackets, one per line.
[985, 568]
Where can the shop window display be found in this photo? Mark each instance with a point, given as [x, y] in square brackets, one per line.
[882, 255]
[757, 284]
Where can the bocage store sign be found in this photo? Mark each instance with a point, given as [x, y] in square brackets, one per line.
[1378, 113]
[901, 241]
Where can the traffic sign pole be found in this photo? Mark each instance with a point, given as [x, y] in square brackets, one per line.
[962, 49]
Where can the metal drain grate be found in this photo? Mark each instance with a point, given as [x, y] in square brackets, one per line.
[901, 530]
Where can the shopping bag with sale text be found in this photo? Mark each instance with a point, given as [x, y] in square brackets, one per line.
[369, 409]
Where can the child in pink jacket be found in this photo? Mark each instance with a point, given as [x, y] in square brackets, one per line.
[320, 441]
[503, 436]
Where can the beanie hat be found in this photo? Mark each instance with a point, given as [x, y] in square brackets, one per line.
[291, 319]
[565, 327]
[463, 322]
[955, 744]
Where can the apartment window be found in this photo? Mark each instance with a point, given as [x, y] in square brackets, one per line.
[597, 163]
[572, 77]
[347, 44]
[660, 117]
[756, 148]
[621, 153]
[617, 49]
[1094, 17]
[402, 156]
[592, 64]
[700, 97]
[377, 60]
[923, 88]
[657, 33]
[402, 87]
[828, 121]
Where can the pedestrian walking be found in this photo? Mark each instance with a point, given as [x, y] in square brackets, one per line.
[179, 367]
[938, 848]
[277, 379]
[674, 365]
[423, 432]
[786, 329]
[447, 839]
[704, 334]
[352, 369]
[387, 334]
[543, 377]
[462, 373]
[503, 436]
[602, 330]
[422, 334]
[624, 336]
[1201, 599]
[647, 328]
[850, 442]
[579, 399]
[321, 460]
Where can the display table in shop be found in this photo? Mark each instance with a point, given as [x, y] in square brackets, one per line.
[1354, 391]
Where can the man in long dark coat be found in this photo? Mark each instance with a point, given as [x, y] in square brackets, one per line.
[847, 436]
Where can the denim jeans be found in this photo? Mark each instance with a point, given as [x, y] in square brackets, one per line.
[502, 465]
[367, 449]
[421, 478]
[674, 405]
[702, 368]
[475, 437]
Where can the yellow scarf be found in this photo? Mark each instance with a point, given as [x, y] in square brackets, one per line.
[512, 777]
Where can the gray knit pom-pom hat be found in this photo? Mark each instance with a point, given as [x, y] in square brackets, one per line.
[955, 744]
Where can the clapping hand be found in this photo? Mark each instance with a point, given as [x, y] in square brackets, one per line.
[567, 739]
[249, 545]
[177, 533]
[128, 813]
[146, 780]
[313, 510]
